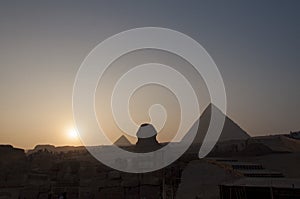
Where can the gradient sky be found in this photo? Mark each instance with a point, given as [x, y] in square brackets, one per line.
[254, 44]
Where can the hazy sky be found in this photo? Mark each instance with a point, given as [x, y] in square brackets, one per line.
[254, 44]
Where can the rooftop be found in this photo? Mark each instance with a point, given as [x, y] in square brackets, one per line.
[266, 182]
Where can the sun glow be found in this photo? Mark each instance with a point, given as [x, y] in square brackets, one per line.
[72, 134]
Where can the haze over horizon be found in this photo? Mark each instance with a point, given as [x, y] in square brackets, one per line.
[254, 44]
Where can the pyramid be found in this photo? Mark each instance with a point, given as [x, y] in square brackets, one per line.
[231, 131]
[122, 141]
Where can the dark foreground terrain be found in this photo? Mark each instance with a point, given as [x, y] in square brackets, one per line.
[234, 169]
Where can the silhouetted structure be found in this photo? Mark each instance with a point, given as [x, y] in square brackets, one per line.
[122, 142]
[147, 139]
[266, 188]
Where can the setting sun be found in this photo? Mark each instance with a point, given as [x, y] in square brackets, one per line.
[72, 133]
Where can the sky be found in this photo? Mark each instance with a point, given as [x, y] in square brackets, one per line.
[42, 45]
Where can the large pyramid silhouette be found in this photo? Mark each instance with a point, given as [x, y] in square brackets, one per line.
[231, 131]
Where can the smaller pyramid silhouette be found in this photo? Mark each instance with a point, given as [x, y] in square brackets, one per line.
[122, 141]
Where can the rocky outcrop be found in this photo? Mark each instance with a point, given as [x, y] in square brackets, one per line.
[13, 166]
